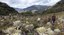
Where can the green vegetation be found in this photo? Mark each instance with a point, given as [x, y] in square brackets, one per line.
[59, 7]
[6, 10]
[27, 13]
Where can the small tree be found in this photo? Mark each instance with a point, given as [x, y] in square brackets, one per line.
[27, 13]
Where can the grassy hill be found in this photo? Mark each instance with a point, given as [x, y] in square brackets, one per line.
[59, 7]
[5, 9]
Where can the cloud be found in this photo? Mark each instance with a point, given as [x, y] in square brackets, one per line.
[6, 1]
[27, 3]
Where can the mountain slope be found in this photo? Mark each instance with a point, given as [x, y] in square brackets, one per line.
[18, 9]
[5, 9]
[59, 7]
[38, 8]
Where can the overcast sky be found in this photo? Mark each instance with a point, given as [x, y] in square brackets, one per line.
[27, 3]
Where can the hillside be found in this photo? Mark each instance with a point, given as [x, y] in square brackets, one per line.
[5, 9]
[38, 8]
[59, 7]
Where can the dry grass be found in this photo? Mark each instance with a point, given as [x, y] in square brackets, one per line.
[33, 20]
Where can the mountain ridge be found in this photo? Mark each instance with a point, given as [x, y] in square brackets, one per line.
[39, 8]
[59, 7]
[6, 10]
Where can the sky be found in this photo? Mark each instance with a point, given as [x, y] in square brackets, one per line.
[27, 3]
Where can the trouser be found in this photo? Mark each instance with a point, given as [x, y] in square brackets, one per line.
[53, 25]
[53, 21]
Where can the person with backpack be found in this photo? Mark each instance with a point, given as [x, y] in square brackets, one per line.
[53, 21]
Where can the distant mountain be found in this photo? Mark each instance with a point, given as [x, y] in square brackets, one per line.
[38, 8]
[5, 9]
[18, 9]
